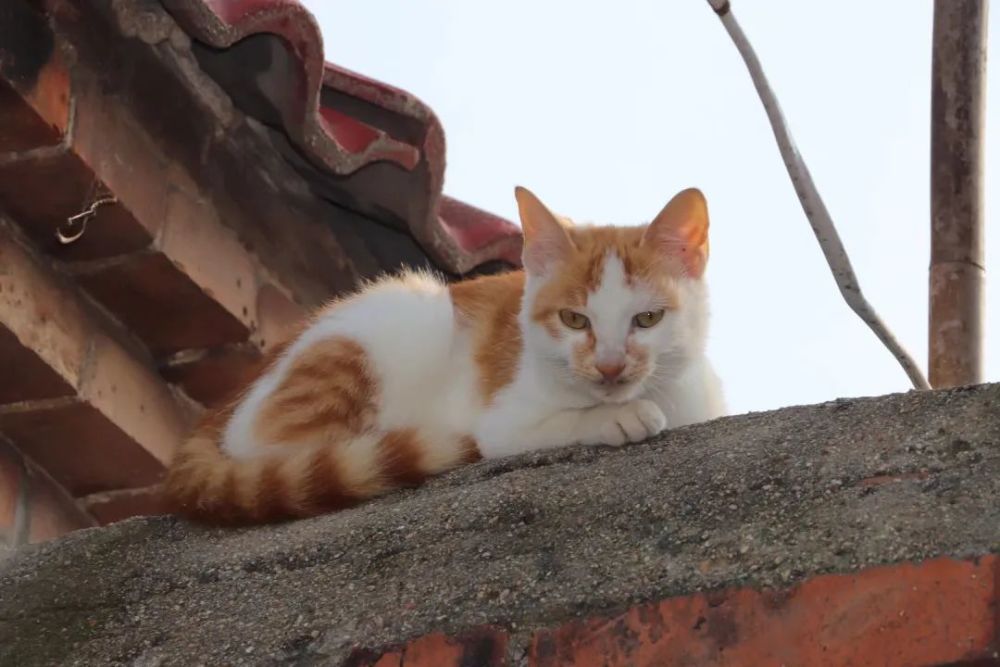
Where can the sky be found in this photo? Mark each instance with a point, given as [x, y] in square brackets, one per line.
[606, 110]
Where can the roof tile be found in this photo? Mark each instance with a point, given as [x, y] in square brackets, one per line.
[342, 122]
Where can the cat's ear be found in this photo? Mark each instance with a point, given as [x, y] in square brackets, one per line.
[546, 240]
[681, 230]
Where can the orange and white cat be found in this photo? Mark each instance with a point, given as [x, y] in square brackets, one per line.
[600, 339]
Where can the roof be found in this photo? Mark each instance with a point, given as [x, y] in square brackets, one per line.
[343, 125]
[176, 191]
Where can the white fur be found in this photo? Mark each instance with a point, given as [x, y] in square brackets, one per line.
[546, 405]
[423, 363]
[428, 379]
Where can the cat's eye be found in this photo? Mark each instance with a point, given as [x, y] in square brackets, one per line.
[648, 318]
[573, 319]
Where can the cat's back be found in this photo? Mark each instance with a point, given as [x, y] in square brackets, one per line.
[415, 301]
[435, 347]
[417, 315]
[392, 317]
[419, 332]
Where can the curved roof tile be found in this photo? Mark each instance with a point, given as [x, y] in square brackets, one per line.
[371, 146]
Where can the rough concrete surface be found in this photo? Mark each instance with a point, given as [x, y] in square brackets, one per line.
[762, 499]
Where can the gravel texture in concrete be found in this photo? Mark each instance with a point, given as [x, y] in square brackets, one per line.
[763, 499]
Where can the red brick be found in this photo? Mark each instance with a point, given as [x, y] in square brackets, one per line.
[125, 412]
[212, 376]
[113, 506]
[163, 307]
[181, 213]
[160, 257]
[80, 447]
[197, 243]
[277, 316]
[41, 189]
[937, 612]
[34, 86]
[41, 193]
[21, 128]
[156, 277]
[132, 395]
[50, 509]
[39, 312]
[184, 225]
[119, 152]
[483, 647]
[50, 95]
[12, 491]
[35, 379]
[53, 511]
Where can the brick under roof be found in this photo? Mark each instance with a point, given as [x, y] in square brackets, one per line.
[179, 183]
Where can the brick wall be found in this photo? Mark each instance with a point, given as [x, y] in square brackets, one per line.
[33, 507]
[154, 238]
[110, 344]
[940, 612]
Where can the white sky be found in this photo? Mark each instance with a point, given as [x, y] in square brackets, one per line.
[606, 109]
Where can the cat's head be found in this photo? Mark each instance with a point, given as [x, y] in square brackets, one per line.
[611, 308]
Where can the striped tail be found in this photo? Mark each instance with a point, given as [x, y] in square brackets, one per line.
[206, 484]
[326, 397]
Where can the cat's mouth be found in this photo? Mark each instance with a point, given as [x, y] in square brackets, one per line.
[622, 389]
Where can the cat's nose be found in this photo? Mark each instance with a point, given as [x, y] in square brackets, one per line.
[611, 372]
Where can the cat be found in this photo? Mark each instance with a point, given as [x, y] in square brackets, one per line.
[600, 339]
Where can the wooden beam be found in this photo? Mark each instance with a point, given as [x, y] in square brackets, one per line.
[957, 272]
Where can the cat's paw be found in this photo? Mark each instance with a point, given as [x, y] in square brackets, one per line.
[633, 422]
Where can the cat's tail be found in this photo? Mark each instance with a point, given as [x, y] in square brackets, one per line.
[207, 484]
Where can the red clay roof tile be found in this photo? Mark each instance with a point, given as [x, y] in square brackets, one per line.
[341, 122]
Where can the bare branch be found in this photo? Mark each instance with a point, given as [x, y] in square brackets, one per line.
[812, 203]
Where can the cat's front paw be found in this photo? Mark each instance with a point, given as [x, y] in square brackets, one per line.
[633, 422]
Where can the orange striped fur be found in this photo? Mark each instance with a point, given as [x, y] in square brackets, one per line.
[489, 306]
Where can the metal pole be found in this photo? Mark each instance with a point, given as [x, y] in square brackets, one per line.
[957, 272]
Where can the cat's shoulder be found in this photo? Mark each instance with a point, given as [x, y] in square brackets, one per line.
[487, 292]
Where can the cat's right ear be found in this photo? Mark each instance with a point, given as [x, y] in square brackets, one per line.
[546, 241]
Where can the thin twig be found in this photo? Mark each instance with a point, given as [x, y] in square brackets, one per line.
[812, 203]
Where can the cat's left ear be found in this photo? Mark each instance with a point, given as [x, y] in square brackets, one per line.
[681, 230]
